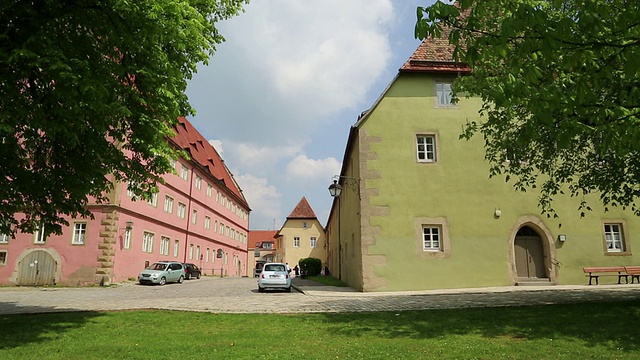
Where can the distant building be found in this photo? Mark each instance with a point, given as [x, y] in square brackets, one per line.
[262, 247]
[199, 216]
[301, 236]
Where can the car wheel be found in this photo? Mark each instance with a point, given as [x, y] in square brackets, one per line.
[198, 276]
[288, 289]
[163, 280]
[187, 276]
[181, 279]
[260, 289]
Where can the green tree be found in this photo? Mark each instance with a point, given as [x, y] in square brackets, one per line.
[559, 80]
[89, 92]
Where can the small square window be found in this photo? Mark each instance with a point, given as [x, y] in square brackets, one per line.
[79, 232]
[431, 238]
[426, 148]
[614, 238]
[443, 94]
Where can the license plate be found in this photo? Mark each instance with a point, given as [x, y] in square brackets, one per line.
[275, 276]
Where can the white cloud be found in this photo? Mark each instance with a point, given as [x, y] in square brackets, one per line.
[302, 168]
[264, 199]
[217, 144]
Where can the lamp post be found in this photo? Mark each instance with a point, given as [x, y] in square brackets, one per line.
[335, 189]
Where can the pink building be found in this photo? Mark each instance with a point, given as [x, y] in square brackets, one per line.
[199, 216]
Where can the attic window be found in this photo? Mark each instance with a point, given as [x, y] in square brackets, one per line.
[443, 93]
[305, 225]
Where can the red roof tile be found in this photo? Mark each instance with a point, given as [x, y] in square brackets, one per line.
[259, 236]
[302, 211]
[200, 151]
[434, 55]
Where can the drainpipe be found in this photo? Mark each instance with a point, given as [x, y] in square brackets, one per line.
[188, 216]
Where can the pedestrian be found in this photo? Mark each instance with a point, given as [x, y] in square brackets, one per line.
[288, 268]
[296, 270]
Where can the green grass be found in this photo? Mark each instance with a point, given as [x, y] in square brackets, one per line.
[327, 280]
[577, 331]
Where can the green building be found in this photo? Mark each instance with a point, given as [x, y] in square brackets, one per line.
[418, 210]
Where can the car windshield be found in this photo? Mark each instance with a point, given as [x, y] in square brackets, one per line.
[274, 268]
[157, 266]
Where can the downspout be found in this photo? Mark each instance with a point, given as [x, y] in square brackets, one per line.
[188, 217]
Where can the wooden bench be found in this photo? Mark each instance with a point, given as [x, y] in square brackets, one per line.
[596, 272]
[634, 272]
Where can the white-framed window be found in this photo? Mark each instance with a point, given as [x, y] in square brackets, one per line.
[129, 191]
[215, 226]
[207, 255]
[198, 252]
[165, 243]
[176, 247]
[173, 163]
[182, 210]
[614, 237]
[426, 148]
[194, 216]
[79, 233]
[191, 252]
[233, 234]
[443, 93]
[431, 238]
[296, 242]
[153, 200]
[267, 245]
[3, 257]
[221, 229]
[40, 235]
[207, 222]
[168, 204]
[184, 172]
[198, 182]
[313, 241]
[227, 231]
[147, 242]
[209, 190]
[217, 196]
[4, 238]
[126, 243]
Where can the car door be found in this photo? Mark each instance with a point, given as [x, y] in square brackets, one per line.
[174, 272]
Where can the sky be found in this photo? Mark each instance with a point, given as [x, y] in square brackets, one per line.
[278, 98]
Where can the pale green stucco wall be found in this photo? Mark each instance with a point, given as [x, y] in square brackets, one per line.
[398, 190]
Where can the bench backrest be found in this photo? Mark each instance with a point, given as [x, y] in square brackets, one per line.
[634, 269]
[600, 269]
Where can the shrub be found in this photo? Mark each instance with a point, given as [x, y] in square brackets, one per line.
[312, 266]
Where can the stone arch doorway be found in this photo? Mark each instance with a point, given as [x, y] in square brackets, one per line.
[532, 252]
[529, 255]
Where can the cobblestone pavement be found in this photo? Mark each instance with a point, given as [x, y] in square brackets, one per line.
[240, 295]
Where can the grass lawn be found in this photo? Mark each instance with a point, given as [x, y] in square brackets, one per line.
[579, 331]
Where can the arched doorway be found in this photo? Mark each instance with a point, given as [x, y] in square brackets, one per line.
[529, 256]
[37, 268]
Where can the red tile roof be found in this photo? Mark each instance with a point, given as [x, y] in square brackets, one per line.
[189, 139]
[302, 211]
[259, 236]
[434, 55]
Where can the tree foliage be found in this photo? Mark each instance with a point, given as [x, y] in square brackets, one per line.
[89, 92]
[559, 80]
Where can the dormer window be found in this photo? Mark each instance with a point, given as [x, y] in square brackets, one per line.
[305, 225]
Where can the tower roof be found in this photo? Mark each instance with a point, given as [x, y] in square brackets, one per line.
[302, 211]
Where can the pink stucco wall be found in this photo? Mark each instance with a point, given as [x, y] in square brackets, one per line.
[79, 264]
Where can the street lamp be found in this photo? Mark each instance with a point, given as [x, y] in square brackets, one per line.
[335, 189]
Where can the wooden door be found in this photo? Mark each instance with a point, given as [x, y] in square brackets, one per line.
[529, 255]
[36, 269]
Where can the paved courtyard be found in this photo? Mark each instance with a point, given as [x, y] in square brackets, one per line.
[240, 295]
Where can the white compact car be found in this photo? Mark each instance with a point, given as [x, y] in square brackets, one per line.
[274, 276]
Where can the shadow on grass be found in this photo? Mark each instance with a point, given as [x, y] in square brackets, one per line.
[24, 329]
[611, 325]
